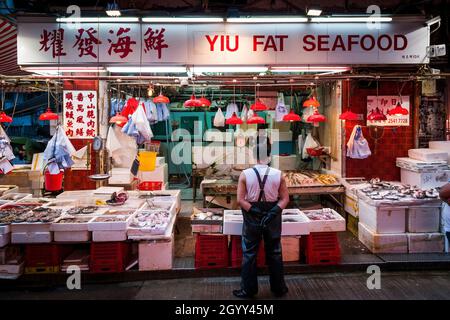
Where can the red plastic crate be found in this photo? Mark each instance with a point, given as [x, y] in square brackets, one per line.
[109, 256]
[45, 255]
[211, 251]
[236, 253]
[323, 249]
[150, 185]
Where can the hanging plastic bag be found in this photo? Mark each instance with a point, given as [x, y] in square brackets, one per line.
[139, 119]
[307, 112]
[231, 108]
[244, 113]
[357, 145]
[219, 119]
[310, 142]
[250, 114]
[280, 109]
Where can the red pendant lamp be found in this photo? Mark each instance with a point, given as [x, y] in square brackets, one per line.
[193, 102]
[292, 117]
[311, 102]
[234, 120]
[256, 120]
[258, 106]
[161, 99]
[376, 115]
[119, 119]
[316, 118]
[349, 115]
[204, 102]
[4, 117]
[48, 114]
[398, 111]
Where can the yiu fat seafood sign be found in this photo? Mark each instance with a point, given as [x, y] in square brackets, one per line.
[221, 44]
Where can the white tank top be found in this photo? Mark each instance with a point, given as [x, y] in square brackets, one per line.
[270, 189]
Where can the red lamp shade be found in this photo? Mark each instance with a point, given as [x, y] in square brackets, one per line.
[258, 106]
[118, 119]
[5, 118]
[348, 115]
[193, 102]
[205, 102]
[48, 115]
[398, 111]
[256, 120]
[316, 117]
[234, 120]
[376, 115]
[292, 117]
[311, 102]
[161, 99]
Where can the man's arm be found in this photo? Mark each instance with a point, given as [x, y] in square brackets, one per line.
[444, 194]
[283, 194]
[242, 192]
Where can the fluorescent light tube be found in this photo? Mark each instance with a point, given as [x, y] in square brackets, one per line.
[229, 69]
[351, 19]
[314, 12]
[98, 19]
[183, 19]
[267, 19]
[161, 69]
[309, 69]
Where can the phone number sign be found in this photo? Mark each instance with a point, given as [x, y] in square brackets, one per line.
[385, 103]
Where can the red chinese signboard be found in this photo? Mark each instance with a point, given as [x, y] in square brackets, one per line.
[80, 114]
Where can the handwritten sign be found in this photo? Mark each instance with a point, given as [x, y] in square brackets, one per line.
[384, 104]
[80, 114]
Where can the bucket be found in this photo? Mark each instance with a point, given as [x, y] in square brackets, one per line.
[53, 182]
[147, 160]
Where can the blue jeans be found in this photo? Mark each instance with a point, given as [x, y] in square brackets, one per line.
[448, 236]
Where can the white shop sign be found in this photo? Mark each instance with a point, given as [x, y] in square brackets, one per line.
[221, 43]
[386, 103]
[80, 114]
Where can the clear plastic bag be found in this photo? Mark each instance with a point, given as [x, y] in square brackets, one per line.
[357, 145]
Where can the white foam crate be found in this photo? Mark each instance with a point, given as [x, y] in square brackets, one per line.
[156, 255]
[62, 203]
[294, 223]
[425, 242]
[383, 219]
[160, 173]
[5, 229]
[5, 239]
[424, 219]
[15, 196]
[11, 271]
[421, 166]
[427, 155]
[442, 146]
[71, 236]
[382, 243]
[336, 225]
[425, 180]
[75, 194]
[31, 237]
[106, 236]
[61, 227]
[95, 225]
[232, 222]
[28, 227]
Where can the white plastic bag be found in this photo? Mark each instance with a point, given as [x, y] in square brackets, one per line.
[280, 109]
[139, 119]
[231, 108]
[357, 145]
[244, 113]
[219, 119]
[310, 142]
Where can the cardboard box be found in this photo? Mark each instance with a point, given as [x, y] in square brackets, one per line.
[382, 243]
[156, 255]
[290, 248]
[382, 219]
[425, 242]
[424, 219]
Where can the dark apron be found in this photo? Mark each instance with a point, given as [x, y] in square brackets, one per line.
[252, 233]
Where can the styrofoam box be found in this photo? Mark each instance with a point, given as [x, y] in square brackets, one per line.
[71, 236]
[156, 255]
[294, 223]
[441, 145]
[382, 243]
[425, 180]
[232, 222]
[30, 227]
[276, 136]
[5, 239]
[75, 194]
[336, 225]
[428, 155]
[284, 162]
[159, 174]
[424, 219]
[5, 229]
[218, 136]
[382, 219]
[425, 242]
[31, 237]
[12, 268]
[72, 226]
[94, 225]
[421, 166]
[160, 161]
[105, 236]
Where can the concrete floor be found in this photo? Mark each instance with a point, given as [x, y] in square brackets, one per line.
[348, 286]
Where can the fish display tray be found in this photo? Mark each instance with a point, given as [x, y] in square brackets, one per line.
[97, 225]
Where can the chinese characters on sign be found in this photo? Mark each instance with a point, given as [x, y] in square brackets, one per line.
[80, 114]
[384, 104]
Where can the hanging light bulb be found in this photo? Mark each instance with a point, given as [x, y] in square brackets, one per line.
[316, 118]
[4, 117]
[48, 114]
[234, 120]
[292, 117]
[150, 90]
[398, 111]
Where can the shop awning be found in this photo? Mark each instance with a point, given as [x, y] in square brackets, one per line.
[8, 49]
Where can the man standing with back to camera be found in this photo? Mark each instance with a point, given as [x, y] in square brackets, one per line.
[262, 194]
